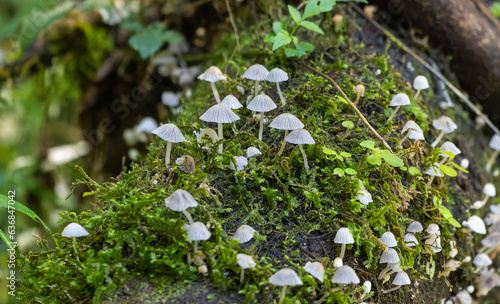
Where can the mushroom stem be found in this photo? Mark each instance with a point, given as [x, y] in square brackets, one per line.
[438, 139]
[327, 294]
[393, 114]
[283, 144]
[256, 86]
[357, 99]
[418, 93]
[189, 257]
[491, 160]
[261, 128]
[74, 247]
[214, 90]
[429, 183]
[384, 271]
[195, 247]
[304, 156]
[221, 136]
[443, 160]
[242, 275]
[392, 289]
[281, 95]
[283, 294]
[342, 251]
[190, 219]
[167, 154]
[404, 138]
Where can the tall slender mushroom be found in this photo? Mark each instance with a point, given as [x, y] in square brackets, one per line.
[198, 232]
[401, 279]
[220, 114]
[172, 134]
[360, 92]
[399, 100]
[445, 125]
[301, 137]
[74, 230]
[212, 75]
[256, 72]
[277, 75]
[179, 201]
[434, 170]
[286, 122]
[409, 126]
[420, 83]
[343, 236]
[261, 103]
[244, 261]
[495, 145]
[285, 277]
[450, 147]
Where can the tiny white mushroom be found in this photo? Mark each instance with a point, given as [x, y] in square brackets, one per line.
[212, 75]
[285, 277]
[240, 161]
[147, 125]
[345, 275]
[364, 197]
[410, 240]
[220, 114]
[409, 127]
[488, 191]
[414, 227]
[261, 103]
[252, 151]
[391, 256]
[301, 137]
[170, 99]
[198, 232]
[277, 75]
[476, 224]
[316, 269]
[180, 200]
[434, 170]
[401, 99]
[74, 230]
[420, 83]
[401, 279]
[445, 125]
[170, 133]
[367, 287]
[245, 261]
[343, 236]
[256, 72]
[495, 145]
[231, 102]
[243, 234]
[287, 122]
[481, 261]
[450, 147]
[389, 239]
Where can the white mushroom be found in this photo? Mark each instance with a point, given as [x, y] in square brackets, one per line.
[345, 275]
[476, 224]
[301, 137]
[409, 127]
[399, 100]
[316, 269]
[252, 151]
[243, 234]
[401, 279]
[212, 75]
[180, 200]
[256, 72]
[172, 134]
[445, 125]
[495, 145]
[245, 261]
[420, 83]
[488, 191]
[277, 75]
[231, 102]
[389, 239]
[287, 122]
[285, 277]
[364, 197]
[343, 236]
[220, 114]
[261, 103]
[74, 230]
[450, 147]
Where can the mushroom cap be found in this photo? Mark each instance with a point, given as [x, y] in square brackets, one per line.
[489, 190]
[169, 132]
[464, 163]
[482, 259]
[74, 230]
[433, 229]
[487, 281]
[396, 267]
[389, 239]
[241, 163]
[411, 125]
[252, 151]
[285, 277]
[180, 200]
[391, 256]
[345, 275]
[463, 297]
[492, 240]
[147, 125]
[169, 99]
[364, 197]
[212, 74]
[244, 233]
[367, 286]
[245, 261]
[495, 142]
[219, 113]
[261, 103]
[337, 262]
[454, 264]
[448, 146]
[286, 121]
[444, 123]
[256, 72]
[277, 75]
[476, 224]
[420, 83]
[415, 226]
[198, 232]
[316, 269]
[434, 242]
[434, 170]
[495, 209]
[401, 278]
[300, 137]
[231, 102]
[401, 99]
[416, 135]
[360, 89]
[410, 239]
[343, 236]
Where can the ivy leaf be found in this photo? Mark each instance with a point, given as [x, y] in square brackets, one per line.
[374, 160]
[448, 170]
[445, 212]
[305, 46]
[345, 154]
[312, 26]
[392, 159]
[294, 13]
[282, 38]
[150, 39]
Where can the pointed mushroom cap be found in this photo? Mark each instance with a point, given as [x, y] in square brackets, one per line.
[420, 83]
[492, 240]
[231, 102]
[448, 146]
[198, 232]
[489, 190]
[495, 142]
[415, 226]
[401, 99]
[169, 99]
[316, 269]
[245, 261]
[345, 275]
[256, 72]
[433, 229]
[241, 163]
[277, 75]
[147, 124]
[401, 278]
[444, 123]
[286, 121]
[410, 239]
[482, 259]
[244, 233]
[300, 137]
[389, 239]
[219, 113]
[261, 103]
[180, 200]
[212, 74]
[285, 277]
[416, 135]
[364, 197]
[391, 256]
[252, 151]
[169, 132]
[343, 236]
[434, 170]
[476, 224]
[74, 230]
[411, 125]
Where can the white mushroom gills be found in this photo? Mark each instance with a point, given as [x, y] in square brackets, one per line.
[243, 234]
[287, 122]
[212, 75]
[172, 134]
[409, 127]
[445, 125]
[301, 137]
[220, 114]
[343, 236]
[261, 103]
[256, 72]
[232, 102]
[401, 99]
[277, 75]
[180, 200]
[285, 277]
[450, 147]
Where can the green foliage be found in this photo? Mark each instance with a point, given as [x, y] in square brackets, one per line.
[495, 9]
[148, 40]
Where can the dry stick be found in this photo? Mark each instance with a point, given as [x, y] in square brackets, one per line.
[235, 29]
[350, 103]
[457, 92]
